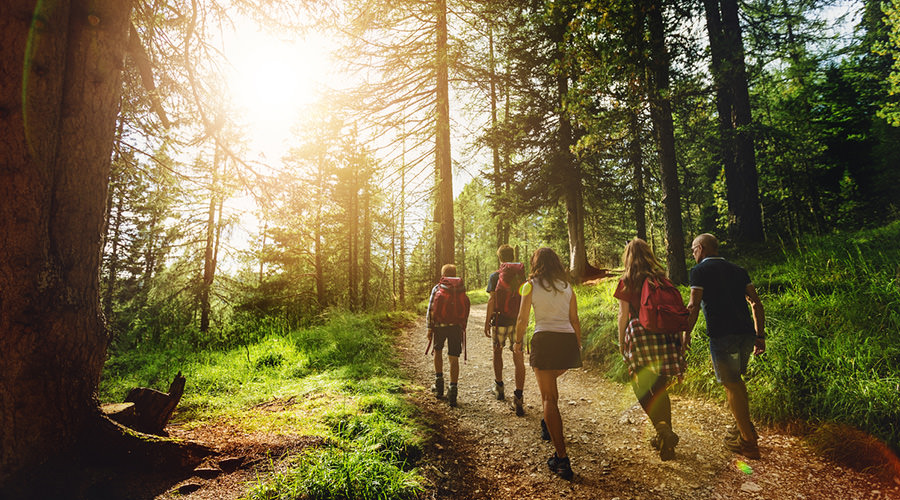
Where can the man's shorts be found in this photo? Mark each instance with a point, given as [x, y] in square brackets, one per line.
[501, 333]
[730, 355]
[453, 335]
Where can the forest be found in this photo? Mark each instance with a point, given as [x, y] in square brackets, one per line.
[183, 178]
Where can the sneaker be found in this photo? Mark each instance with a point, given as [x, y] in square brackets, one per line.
[451, 395]
[561, 466]
[746, 448]
[666, 440]
[518, 406]
[545, 434]
[438, 387]
[498, 391]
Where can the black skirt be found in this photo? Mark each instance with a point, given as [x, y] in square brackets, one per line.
[555, 351]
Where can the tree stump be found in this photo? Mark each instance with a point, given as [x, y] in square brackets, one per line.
[149, 410]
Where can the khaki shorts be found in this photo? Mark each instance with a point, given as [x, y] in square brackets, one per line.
[501, 333]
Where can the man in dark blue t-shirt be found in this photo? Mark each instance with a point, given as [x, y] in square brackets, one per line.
[722, 290]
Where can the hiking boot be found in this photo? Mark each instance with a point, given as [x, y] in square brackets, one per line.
[545, 434]
[746, 448]
[561, 466]
[665, 441]
[498, 391]
[438, 387]
[518, 406]
[451, 395]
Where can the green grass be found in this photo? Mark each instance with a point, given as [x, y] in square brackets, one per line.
[338, 380]
[832, 317]
[335, 473]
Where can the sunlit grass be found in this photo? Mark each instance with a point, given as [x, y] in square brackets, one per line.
[338, 380]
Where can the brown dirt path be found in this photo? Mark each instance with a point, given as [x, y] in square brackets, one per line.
[482, 450]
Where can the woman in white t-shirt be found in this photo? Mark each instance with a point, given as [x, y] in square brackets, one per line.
[556, 344]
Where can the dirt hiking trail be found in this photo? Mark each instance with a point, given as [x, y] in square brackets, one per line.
[482, 450]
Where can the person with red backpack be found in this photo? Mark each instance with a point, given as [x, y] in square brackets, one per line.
[500, 322]
[446, 320]
[653, 335]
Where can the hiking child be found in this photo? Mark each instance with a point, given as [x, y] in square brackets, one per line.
[723, 290]
[446, 320]
[555, 346]
[500, 322]
[652, 357]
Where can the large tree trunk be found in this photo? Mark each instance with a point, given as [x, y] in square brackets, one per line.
[637, 176]
[209, 261]
[661, 113]
[733, 107]
[367, 243]
[502, 226]
[65, 60]
[317, 236]
[571, 183]
[444, 168]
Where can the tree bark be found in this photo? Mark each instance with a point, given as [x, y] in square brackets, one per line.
[60, 82]
[566, 162]
[637, 177]
[443, 161]
[502, 233]
[736, 150]
[661, 113]
[209, 261]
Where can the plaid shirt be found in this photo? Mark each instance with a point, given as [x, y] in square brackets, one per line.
[660, 352]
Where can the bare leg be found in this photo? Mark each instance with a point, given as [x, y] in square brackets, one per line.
[438, 361]
[546, 380]
[498, 362]
[519, 362]
[454, 368]
[739, 403]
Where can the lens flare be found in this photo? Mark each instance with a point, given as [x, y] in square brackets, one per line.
[744, 467]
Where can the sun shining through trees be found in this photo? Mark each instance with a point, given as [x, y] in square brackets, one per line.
[272, 79]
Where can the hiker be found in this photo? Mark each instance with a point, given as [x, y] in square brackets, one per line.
[555, 346]
[500, 322]
[446, 319]
[652, 357]
[722, 290]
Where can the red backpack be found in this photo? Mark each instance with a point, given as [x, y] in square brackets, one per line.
[506, 295]
[450, 305]
[662, 308]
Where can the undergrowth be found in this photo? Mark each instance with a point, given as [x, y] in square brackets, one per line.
[338, 380]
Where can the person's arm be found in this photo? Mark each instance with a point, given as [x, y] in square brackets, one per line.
[573, 317]
[468, 304]
[624, 317]
[759, 318]
[694, 307]
[694, 310]
[522, 319]
[487, 318]
[429, 322]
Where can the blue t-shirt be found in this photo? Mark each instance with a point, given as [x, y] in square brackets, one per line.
[493, 279]
[724, 301]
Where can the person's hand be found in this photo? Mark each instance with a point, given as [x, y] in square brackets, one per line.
[685, 342]
[430, 334]
[760, 346]
[517, 347]
[487, 330]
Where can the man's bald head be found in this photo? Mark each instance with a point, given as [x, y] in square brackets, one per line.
[704, 245]
[707, 241]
